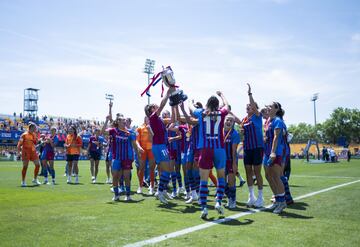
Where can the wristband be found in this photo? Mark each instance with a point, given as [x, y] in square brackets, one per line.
[249, 94]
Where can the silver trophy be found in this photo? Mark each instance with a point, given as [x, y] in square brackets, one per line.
[176, 96]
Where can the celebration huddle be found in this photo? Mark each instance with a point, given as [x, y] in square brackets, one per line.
[182, 147]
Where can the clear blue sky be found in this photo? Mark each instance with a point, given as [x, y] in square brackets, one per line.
[76, 51]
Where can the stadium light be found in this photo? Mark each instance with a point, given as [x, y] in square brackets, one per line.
[149, 70]
[314, 98]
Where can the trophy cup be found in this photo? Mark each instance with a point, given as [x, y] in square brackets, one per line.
[176, 96]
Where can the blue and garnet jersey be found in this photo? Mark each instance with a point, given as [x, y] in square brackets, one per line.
[93, 147]
[275, 123]
[113, 132]
[48, 148]
[194, 137]
[268, 136]
[123, 143]
[159, 130]
[185, 138]
[211, 127]
[231, 137]
[173, 146]
[253, 132]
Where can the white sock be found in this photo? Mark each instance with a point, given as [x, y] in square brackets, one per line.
[260, 193]
[251, 191]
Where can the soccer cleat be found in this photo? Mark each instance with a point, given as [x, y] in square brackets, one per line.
[167, 195]
[251, 201]
[92, 178]
[151, 191]
[204, 213]
[112, 189]
[174, 194]
[127, 198]
[116, 198]
[36, 181]
[259, 203]
[289, 201]
[232, 204]
[187, 196]
[162, 198]
[139, 190]
[219, 208]
[280, 207]
[121, 189]
[273, 206]
[242, 182]
[46, 181]
[190, 200]
[23, 184]
[272, 198]
[194, 195]
[94, 181]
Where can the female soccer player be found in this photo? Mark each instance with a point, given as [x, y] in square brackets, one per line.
[211, 124]
[26, 147]
[95, 149]
[253, 150]
[73, 144]
[273, 157]
[48, 155]
[144, 138]
[231, 140]
[159, 147]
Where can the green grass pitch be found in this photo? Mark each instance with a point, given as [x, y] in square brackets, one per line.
[84, 215]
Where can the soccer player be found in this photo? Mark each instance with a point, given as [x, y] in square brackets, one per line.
[26, 147]
[48, 155]
[274, 136]
[144, 138]
[231, 140]
[73, 143]
[253, 150]
[94, 149]
[211, 124]
[159, 141]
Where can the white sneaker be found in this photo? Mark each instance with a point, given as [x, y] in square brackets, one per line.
[187, 196]
[204, 213]
[219, 208]
[92, 178]
[65, 174]
[251, 201]
[139, 190]
[116, 198]
[174, 194]
[128, 198]
[94, 181]
[23, 184]
[112, 189]
[194, 195]
[157, 194]
[36, 181]
[167, 195]
[273, 206]
[151, 191]
[162, 197]
[190, 200]
[259, 202]
[231, 204]
[46, 181]
[280, 207]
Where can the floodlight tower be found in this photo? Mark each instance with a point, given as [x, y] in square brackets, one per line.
[31, 98]
[314, 98]
[149, 70]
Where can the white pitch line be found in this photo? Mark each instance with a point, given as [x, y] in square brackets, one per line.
[316, 176]
[219, 221]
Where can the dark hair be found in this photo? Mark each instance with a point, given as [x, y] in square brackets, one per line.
[32, 125]
[280, 112]
[148, 109]
[198, 105]
[212, 103]
[74, 129]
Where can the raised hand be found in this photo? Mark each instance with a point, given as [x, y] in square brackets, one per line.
[249, 88]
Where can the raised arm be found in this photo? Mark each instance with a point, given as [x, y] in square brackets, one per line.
[163, 103]
[189, 120]
[252, 102]
[225, 102]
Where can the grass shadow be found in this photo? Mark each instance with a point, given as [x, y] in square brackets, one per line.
[299, 206]
[235, 222]
[29, 186]
[285, 214]
[75, 184]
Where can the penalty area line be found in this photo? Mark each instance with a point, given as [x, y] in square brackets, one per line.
[219, 221]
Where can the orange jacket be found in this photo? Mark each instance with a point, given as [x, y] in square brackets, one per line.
[70, 139]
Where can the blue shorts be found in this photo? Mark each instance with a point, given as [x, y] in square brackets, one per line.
[184, 158]
[161, 153]
[116, 165]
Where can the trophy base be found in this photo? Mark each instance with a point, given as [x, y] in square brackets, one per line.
[177, 97]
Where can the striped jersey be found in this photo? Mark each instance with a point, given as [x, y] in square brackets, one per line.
[174, 145]
[253, 132]
[194, 138]
[268, 136]
[185, 138]
[124, 149]
[113, 132]
[48, 148]
[211, 128]
[231, 137]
